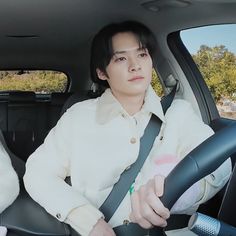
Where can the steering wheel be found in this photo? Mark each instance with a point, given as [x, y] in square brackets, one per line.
[200, 162]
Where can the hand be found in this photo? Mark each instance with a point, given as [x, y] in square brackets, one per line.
[102, 228]
[147, 209]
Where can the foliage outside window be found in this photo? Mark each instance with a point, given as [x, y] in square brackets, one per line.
[156, 84]
[37, 81]
[218, 67]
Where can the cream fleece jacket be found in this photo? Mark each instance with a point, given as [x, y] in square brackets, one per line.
[95, 141]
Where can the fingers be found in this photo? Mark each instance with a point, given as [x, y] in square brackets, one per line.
[147, 209]
[157, 205]
[136, 216]
[158, 210]
[159, 181]
[153, 210]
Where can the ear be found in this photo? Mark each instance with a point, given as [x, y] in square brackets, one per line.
[101, 75]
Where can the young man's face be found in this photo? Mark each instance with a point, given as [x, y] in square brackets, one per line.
[129, 72]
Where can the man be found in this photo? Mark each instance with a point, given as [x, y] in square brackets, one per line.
[96, 140]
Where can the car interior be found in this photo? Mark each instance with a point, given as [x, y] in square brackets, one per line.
[56, 35]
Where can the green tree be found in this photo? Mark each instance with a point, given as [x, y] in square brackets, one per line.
[156, 84]
[37, 81]
[218, 67]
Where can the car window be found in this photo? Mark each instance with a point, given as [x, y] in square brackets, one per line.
[213, 48]
[40, 82]
[156, 84]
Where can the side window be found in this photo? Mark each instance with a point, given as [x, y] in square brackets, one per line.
[213, 49]
[156, 84]
[36, 81]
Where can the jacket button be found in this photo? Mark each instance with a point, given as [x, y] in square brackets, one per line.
[133, 140]
[213, 177]
[127, 168]
[58, 215]
[125, 222]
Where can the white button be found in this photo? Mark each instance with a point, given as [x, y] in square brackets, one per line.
[125, 222]
[213, 177]
[133, 140]
[58, 215]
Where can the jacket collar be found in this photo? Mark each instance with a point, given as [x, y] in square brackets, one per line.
[109, 107]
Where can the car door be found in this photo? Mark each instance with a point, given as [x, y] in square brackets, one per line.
[211, 111]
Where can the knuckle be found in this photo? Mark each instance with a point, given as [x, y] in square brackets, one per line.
[165, 213]
[158, 221]
[149, 196]
[146, 213]
[145, 225]
[139, 219]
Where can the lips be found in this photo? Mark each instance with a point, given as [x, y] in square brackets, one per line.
[136, 78]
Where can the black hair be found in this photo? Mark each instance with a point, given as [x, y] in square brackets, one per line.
[102, 51]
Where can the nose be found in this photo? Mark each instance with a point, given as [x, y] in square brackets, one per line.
[134, 65]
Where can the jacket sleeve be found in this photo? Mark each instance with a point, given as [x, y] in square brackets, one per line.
[193, 133]
[9, 184]
[46, 170]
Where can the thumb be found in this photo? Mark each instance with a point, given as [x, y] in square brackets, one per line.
[159, 181]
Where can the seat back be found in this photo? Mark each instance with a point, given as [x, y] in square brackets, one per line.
[26, 119]
[79, 97]
[26, 123]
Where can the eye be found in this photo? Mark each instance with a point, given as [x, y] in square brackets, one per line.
[119, 59]
[143, 54]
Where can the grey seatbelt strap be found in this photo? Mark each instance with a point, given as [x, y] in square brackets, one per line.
[121, 188]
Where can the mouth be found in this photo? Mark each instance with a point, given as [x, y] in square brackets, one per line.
[136, 78]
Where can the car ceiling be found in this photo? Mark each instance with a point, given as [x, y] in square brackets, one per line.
[57, 33]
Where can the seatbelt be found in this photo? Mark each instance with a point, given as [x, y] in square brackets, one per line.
[127, 178]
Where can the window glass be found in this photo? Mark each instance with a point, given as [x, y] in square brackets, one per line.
[156, 84]
[213, 49]
[36, 81]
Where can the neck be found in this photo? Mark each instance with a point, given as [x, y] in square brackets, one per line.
[132, 104]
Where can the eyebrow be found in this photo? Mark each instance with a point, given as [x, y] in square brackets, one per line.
[125, 51]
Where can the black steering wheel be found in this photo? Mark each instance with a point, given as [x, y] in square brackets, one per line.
[200, 162]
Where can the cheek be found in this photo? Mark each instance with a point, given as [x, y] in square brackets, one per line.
[116, 73]
[149, 72]
[149, 66]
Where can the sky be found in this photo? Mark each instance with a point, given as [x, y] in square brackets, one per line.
[210, 36]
